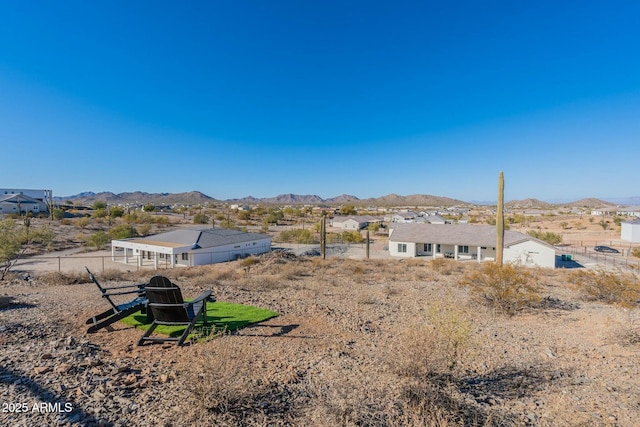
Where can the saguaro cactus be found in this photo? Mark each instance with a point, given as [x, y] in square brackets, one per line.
[500, 221]
[323, 237]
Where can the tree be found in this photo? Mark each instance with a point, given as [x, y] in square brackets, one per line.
[116, 212]
[123, 231]
[149, 208]
[15, 240]
[200, 218]
[99, 204]
[348, 210]
[98, 240]
[374, 227]
[352, 237]
[58, 214]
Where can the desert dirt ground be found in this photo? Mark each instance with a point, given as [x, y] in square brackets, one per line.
[379, 342]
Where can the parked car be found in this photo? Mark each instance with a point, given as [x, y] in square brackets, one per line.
[606, 249]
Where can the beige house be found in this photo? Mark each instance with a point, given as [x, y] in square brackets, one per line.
[468, 242]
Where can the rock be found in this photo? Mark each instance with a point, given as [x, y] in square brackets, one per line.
[39, 370]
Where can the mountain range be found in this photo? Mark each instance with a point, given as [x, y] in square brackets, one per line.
[197, 197]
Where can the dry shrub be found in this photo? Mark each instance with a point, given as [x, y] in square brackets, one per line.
[436, 346]
[608, 287]
[292, 272]
[444, 266]
[55, 278]
[223, 275]
[362, 399]
[508, 288]
[229, 390]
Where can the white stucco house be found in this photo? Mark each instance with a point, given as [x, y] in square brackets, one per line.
[189, 247]
[633, 211]
[470, 242]
[353, 222]
[19, 203]
[630, 231]
[404, 217]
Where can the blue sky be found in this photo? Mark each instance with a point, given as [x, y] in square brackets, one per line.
[359, 97]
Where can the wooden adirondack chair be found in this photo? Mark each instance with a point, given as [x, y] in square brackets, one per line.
[169, 308]
[117, 311]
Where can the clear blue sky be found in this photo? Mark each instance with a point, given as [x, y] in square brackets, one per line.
[238, 98]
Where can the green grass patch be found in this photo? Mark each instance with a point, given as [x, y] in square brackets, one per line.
[221, 317]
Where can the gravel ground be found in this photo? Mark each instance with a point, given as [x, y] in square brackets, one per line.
[336, 355]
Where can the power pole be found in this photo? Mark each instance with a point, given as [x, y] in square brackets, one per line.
[367, 244]
[500, 221]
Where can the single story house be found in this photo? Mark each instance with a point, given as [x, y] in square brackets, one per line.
[404, 217]
[189, 247]
[20, 203]
[606, 211]
[629, 211]
[353, 222]
[468, 241]
[630, 231]
[436, 219]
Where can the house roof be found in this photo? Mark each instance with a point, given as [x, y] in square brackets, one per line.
[634, 222]
[18, 198]
[407, 215]
[358, 218]
[456, 234]
[207, 238]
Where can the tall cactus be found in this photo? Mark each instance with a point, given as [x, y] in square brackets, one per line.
[323, 237]
[500, 221]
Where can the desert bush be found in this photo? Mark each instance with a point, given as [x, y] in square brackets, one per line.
[507, 288]
[436, 346]
[200, 218]
[296, 236]
[98, 240]
[443, 266]
[143, 229]
[54, 278]
[122, 231]
[352, 237]
[635, 252]
[82, 222]
[546, 236]
[608, 287]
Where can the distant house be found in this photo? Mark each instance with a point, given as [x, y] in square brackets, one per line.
[468, 241]
[404, 217]
[607, 211]
[188, 247]
[354, 222]
[629, 211]
[436, 219]
[18, 203]
[630, 231]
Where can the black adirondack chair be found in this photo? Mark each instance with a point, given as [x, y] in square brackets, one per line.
[117, 311]
[169, 308]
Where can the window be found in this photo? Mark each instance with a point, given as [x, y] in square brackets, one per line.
[185, 256]
[438, 248]
[427, 247]
[402, 247]
[463, 249]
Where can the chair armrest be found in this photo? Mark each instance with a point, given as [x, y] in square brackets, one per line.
[203, 296]
[138, 286]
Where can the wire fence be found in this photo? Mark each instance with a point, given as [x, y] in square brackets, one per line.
[623, 259]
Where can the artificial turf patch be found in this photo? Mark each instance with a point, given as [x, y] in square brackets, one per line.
[221, 317]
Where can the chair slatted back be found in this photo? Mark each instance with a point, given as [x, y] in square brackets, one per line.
[161, 291]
